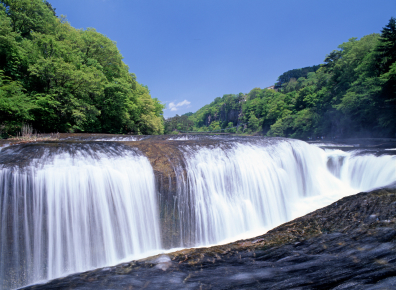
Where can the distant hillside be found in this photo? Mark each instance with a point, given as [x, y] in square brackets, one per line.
[295, 74]
[353, 94]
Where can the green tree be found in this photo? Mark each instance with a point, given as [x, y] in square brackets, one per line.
[27, 16]
[15, 106]
[253, 123]
[230, 128]
[387, 47]
[214, 126]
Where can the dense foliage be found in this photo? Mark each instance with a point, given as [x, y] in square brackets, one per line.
[295, 74]
[353, 94]
[179, 124]
[58, 78]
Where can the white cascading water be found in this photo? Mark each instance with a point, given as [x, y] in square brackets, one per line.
[84, 209]
[73, 213]
[362, 172]
[246, 189]
[121, 138]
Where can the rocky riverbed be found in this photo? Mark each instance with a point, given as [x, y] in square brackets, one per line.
[350, 244]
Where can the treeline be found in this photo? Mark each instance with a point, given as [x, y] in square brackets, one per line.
[352, 94]
[61, 79]
[178, 124]
[295, 74]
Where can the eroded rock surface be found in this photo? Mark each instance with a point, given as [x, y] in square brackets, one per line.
[350, 244]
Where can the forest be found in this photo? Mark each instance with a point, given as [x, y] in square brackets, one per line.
[60, 79]
[352, 94]
[56, 78]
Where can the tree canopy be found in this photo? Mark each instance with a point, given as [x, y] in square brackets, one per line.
[62, 79]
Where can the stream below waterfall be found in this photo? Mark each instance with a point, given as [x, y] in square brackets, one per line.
[73, 205]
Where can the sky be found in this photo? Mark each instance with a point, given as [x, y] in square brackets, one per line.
[188, 52]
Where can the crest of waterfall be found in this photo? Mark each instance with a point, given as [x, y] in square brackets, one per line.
[73, 212]
[122, 138]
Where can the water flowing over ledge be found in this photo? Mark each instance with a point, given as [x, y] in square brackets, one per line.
[244, 189]
[70, 207]
[73, 210]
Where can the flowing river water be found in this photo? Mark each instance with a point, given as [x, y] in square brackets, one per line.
[71, 206]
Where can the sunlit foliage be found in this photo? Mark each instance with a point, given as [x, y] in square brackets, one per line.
[62, 79]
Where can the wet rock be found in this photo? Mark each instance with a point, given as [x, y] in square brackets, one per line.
[336, 247]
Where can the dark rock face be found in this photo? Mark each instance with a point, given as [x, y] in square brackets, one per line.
[225, 114]
[350, 244]
[229, 115]
[166, 160]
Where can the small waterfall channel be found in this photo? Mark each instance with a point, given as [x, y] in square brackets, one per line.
[69, 207]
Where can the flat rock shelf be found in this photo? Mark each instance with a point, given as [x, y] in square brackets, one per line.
[350, 244]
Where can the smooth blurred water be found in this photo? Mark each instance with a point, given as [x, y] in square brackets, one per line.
[362, 171]
[246, 189]
[74, 212]
[78, 209]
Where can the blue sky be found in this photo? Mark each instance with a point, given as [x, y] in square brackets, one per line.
[188, 52]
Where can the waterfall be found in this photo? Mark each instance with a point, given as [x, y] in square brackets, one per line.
[362, 172]
[75, 211]
[70, 207]
[244, 189]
